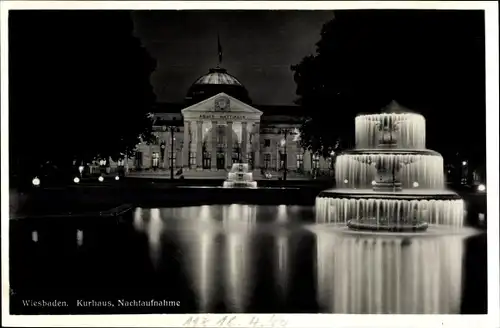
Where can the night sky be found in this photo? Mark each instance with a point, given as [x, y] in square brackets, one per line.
[258, 48]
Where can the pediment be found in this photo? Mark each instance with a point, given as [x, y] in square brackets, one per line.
[221, 103]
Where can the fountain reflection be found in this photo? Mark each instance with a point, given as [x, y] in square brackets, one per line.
[389, 275]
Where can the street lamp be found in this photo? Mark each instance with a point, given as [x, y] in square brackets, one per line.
[35, 181]
[80, 169]
[172, 129]
[285, 133]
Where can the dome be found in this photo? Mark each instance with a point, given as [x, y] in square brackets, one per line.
[396, 108]
[217, 80]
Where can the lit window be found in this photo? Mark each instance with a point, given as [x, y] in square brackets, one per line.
[267, 160]
[172, 158]
[315, 161]
[300, 161]
[192, 159]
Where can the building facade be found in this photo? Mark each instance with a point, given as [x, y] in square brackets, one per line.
[217, 126]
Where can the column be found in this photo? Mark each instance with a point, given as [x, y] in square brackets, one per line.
[256, 144]
[150, 156]
[213, 144]
[244, 141]
[307, 161]
[291, 155]
[185, 145]
[229, 147]
[168, 148]
[199, 144]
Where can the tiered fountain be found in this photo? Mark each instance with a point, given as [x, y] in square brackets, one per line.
[390, 181]
[240, 177]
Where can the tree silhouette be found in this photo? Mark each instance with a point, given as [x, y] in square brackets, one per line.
[79, 87]
[429, 61]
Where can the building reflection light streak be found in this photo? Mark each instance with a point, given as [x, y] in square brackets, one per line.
[241, 218]
[154, 232]
[283, 257]
[199, 244]
[281, 214]
[138, 219]
[238, 252]
[203, 258]
[205, 214]
[207, 260]
[79, 237]
[390, 275]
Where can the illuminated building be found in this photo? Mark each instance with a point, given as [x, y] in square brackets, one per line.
[217, 126]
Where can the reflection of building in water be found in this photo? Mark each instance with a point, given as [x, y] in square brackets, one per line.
[239, 217]
[138, 222]
[238, 222]
[198, 242]
[282, 262]
[282, 215]
[154, 232]
[150, 222]
[389, 275]
[34, 236]
[79, 237]
[211, 269]
[282, 251]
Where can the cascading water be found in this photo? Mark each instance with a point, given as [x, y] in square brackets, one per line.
[240, 177]
[393, 274]
[390, 181]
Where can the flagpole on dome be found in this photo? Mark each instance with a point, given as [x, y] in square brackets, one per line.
[219, 50]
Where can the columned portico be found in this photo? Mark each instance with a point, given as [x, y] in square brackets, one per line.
[244, 141]
[214, 145]
[221, 126]
[186, 145]
[256, 146]
[199, 144]
[229, 145]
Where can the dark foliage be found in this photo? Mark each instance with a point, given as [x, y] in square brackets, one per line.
[430, 61]
[79, 87]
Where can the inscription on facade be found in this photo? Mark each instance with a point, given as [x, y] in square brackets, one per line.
[222, 117]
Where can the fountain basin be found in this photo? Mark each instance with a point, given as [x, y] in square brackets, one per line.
[358, 168]
[405, 194]
[390, 151]
[240, 177]
[395, 211]
[373, 224]
[239, 184]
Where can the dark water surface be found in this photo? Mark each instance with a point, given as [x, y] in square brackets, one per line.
[237, 258]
